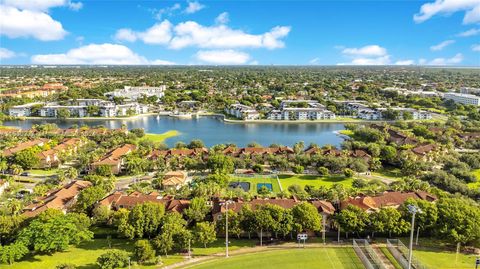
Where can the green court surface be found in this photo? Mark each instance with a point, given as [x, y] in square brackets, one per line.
[322, 258]
[258, 180]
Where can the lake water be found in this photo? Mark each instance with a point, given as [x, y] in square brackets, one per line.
[213, 130]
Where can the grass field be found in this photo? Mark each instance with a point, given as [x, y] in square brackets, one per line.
[475, 185]
[444, 260]
[255, 180]
[325, 258]
[39, 172]
[160, 137]
[317, 181]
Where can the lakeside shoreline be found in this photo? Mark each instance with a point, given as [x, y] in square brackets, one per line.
[224, 119]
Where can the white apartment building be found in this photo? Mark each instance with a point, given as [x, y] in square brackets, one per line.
[133, 93]
[310, 103]
[22, 110]
[463, 98]
[242, 112]
[106, 108]
[296, 113]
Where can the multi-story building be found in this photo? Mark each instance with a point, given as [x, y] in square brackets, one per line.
[243, 112]
[106, 108]
[463, 98]
[133, 93]
[22, 110]
[297, 113]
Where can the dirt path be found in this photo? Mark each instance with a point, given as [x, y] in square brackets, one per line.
[386, 262]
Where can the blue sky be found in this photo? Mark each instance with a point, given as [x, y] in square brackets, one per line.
[437, 32]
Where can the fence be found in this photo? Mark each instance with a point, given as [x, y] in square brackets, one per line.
[400, 253]
[366, 254]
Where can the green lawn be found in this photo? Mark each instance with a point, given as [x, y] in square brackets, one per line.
[444, 260]
[255, 180]
[393, 173]
[83, 256]
[390, 257]
[317, 181]
[219, 246]
[325, 258]
[39, 172]
[475, 185]
[160, 137]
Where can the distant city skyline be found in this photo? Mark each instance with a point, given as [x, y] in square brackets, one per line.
[435, 32]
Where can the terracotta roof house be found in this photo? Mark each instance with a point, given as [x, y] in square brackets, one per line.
[175, 179]
[358, 153]
[387, 199]
[25, 145]
[48, 158]
[114, 159]
[61, 199]
[237, 205]
[120, 200]
[400, 138]
[469, 136]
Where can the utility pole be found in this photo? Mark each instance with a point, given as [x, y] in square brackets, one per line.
[413, 210]
[323, 224]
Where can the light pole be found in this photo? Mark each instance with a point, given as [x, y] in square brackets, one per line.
[226, 203]
[413, 210]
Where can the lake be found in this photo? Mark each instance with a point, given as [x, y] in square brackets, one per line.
[212, 130]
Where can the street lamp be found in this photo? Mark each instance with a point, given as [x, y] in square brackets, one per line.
[413, 210]
[226, 203]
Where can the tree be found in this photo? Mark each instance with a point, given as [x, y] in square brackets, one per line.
[348, 172]
[143, 251]
[172, 228]
[196, 144]
[247, 220]
[221, 164]
[71, 173]
[352, 219]
[53, 231]
[143, 220]
[389, 220]
[9, 227]
[88, 197]
[263, 222]
[298, 169]
[104, 170]
[93, 110]
[458, 220]
[113, 259]
[234, 224]
[27, 158]
[205, 233]
[323, 171]
[11, 253]
[101, 214]
[427, 219]
[135, 165]
[63, 113]
[197, 210]
[306, 217]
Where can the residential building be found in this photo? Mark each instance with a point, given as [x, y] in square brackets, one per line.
[175, 179]
[61, 199]
[114, 159]
[79, 108]
[133, 93]
[393, 199]
[23, 110]
[25, 145]
[120, 200]
[463, 98]
[243, 112]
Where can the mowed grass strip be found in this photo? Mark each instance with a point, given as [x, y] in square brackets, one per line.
[438, 259]
[317, 181]
[325, 258]
[160, 137]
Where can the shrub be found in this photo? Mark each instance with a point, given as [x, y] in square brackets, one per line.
[66, 266]
[323, 171]
[298, 169]
[113, 259]
[348, 172]
[143, 251]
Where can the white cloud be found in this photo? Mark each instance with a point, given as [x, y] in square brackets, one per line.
[471, 8]
[168, 11]
[476, 47]
[458, 58]
[370, 50]
[367, 55]
[314, 61]
[190, 34]
[6, 53]
[75, 5]
[422, 61]
[223, 57]
[42, 5]
[441, 45]
[159, 34]
[471, 32]
[109, 54]
[29, 23]
[193, 7]
[222, 18]
[405, 62]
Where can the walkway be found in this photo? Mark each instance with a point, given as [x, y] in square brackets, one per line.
[386, 262]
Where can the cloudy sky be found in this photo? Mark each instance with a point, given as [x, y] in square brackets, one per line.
[435, 32]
